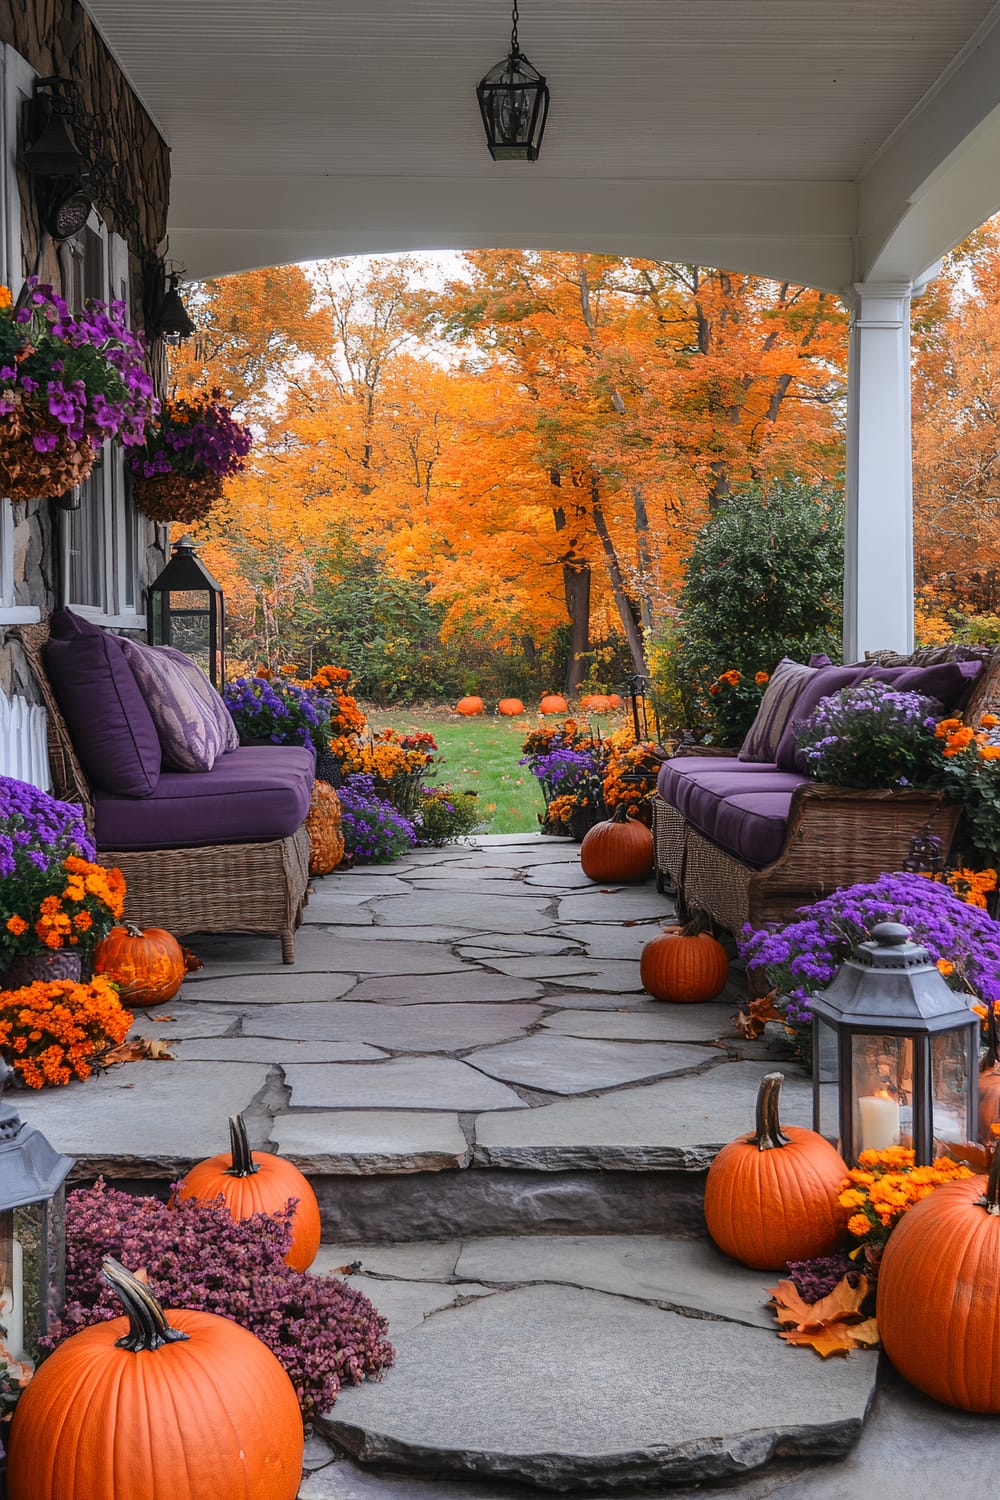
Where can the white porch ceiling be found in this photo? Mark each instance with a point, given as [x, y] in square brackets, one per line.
[802, 138]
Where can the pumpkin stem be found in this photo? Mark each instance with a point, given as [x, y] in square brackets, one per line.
[148, 1327]
[132, 930]
[991, 1198]
[698, 922]
[768, 1132]
[243, 1162]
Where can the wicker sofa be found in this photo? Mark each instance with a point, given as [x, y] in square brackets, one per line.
[253, 875]
[751, 842]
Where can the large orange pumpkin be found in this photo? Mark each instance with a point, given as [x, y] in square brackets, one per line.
[510, 707]
[684, 964]
[596, 703]
[326, 841]
[989, 1080]
[553, 703]
[614, 700]
[142, 1407]
[618, 850]
[470, 707]
[937, 1293]
[255, 1183]
[772, 1196]
[148, 966]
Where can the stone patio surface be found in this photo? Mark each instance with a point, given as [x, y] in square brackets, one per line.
[464, 1058]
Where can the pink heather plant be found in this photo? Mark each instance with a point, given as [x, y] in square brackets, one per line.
[195, 1256]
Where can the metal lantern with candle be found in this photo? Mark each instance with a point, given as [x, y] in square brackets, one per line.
[895, 1052]
[32, 1233]
[185, 608]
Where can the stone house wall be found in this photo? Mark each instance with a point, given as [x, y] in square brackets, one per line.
[58, 37]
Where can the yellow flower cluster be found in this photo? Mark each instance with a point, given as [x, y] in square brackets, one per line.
[52, 1030]
[972, 886]
[878, 1192]
[6, 300]
[384, 760]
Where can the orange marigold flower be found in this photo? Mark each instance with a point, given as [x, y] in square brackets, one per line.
[945, 966]
[858, 1225]
[989, 721]
[761, 678]
[6, 299]
[16, 925]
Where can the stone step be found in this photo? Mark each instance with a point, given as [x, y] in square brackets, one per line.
[586, 1363]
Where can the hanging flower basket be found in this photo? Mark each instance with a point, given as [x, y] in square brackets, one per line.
[26, 474]
[176, 497]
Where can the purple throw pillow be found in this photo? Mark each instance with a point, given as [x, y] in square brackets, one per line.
[111, 728]
[776, 708]
[201, 686]
[191, 737]
[821, 684]
[948, 682]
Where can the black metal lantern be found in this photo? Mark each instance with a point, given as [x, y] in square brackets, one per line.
[636, 691]
[895, 1052]
[514, 103]
[32, 1232]
[164, 313]
[185, 608]
[54, 158]
[925, 856]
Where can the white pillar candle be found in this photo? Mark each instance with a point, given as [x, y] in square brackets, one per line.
[879, 1122]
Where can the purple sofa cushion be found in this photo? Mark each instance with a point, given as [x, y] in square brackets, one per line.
[948, 682]
[191, 735]
[821, 684]
[753, 826]
[776, 708]
[111, 728]
[253, 794]
[740, 805]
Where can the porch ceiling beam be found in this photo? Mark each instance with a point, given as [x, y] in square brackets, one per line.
[936, 179]
[799, 231]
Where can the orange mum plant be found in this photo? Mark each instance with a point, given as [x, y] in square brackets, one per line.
[52, 1032]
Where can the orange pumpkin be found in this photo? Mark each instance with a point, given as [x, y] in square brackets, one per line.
[614, 700]
[772, 1196]
[596, 703]
[143, 1407]
[510, 707]
[254, 1183]
[553, 703]
[989, 1080]
[937, 1293]
[470, 707]
[326, 842]
[684, 964]
[618, 850]
[148, 966]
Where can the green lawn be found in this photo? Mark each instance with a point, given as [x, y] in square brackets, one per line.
[479, 755]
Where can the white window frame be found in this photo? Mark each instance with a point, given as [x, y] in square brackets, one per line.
[17, 78]
[108, 493]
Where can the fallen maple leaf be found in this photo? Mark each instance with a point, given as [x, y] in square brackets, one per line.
[750, 1023]
[833, 1325]
[160, 1019]
[191, 960]
[349, 1270]
[135, 1051]
[841, 1305]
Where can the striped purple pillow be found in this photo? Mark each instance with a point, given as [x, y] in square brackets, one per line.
[192, 733]
[776, 708]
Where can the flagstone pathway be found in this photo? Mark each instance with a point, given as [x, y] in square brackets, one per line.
[510, 1137]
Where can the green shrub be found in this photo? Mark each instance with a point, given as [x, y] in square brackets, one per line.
[765, 580]
[445, 815]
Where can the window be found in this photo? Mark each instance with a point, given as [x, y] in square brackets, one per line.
[101, 545]
[16, 77]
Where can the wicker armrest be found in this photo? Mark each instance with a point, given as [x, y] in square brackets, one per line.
[680, 751]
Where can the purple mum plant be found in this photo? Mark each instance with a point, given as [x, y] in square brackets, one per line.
[277, 710]
[870, 735]
[196, 1256]
[37, 833]
[804, 955]
[375, 832]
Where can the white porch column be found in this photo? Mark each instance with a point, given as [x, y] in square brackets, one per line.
[878, 561]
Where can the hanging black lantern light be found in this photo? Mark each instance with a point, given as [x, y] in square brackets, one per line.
[514, 103]
[56, 162]
[172, 320]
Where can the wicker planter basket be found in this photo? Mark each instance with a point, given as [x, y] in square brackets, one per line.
[28, 475]
[176, 497]
[27, 968]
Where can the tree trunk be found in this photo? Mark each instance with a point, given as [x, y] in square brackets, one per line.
[576, 583]
[625, 612]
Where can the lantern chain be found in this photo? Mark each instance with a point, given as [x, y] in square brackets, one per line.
[514, 47]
